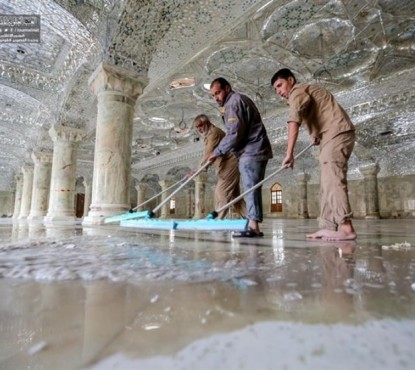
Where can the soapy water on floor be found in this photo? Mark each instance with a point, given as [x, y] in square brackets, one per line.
[113, 259]
[293, 283]
[160, 258]
[295, 268]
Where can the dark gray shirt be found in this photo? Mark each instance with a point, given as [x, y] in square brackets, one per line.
[246, 136]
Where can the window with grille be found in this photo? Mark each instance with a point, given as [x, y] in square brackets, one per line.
[276, 198]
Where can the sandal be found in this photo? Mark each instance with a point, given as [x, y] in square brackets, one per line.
[247, 234]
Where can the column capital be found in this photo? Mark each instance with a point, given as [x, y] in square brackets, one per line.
[369, 170]
[165, 183]
[66, 134]
[27, 170]
[87, 181]
[202, 177]
[302, 177]
[112, 78]
[141, 187]
[42, 157]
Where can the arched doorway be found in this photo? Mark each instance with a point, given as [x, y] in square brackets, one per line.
[276, 198]
[172, 206]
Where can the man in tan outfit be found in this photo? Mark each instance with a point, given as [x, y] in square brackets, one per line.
[331, 128]
[226, 167]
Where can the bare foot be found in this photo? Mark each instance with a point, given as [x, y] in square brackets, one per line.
[345, 232]
[332, 235]
[318, 234]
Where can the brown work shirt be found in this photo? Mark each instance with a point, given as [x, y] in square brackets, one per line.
[318, 109]
[211, 141]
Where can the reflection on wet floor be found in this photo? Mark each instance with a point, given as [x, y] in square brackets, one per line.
[107, 297]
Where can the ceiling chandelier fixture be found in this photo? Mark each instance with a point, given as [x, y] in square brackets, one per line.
[181, 128]
[182, 83]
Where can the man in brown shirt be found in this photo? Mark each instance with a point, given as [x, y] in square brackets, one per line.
[226, 168]
[331, 128]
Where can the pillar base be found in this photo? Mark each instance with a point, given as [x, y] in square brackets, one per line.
[51, 220]
[38, 217]
[372, 217]
[97, 214]
[93, 220]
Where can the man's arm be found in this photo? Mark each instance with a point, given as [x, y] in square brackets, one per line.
[293, 128]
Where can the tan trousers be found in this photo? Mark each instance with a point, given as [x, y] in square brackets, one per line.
[227, 189]
[334, 198]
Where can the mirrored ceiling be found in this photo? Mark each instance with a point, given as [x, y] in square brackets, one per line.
[362, 50]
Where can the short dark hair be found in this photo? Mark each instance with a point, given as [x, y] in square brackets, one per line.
[284, 73]
[221, 81]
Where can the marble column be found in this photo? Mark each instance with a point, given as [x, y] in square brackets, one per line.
[369, 173]
[18, 195]
[165, 209]
[41, 185]
[88, 194]
[141, 195]
[117, 91]
[63, 178]
[200, 188]
[26, 192]
[302, 180]
[189, 203]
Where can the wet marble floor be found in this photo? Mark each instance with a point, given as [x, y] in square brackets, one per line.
[113, 298]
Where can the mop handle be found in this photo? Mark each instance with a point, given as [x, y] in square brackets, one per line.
[238, 198]
[181, 186]
[158, 194]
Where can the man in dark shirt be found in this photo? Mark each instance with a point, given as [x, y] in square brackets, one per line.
[246, 137]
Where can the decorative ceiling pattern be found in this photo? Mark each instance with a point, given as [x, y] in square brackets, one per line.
[362, 50]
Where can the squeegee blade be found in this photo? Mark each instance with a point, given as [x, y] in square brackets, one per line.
[214, 225]
[127, 216]
[148, 223]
